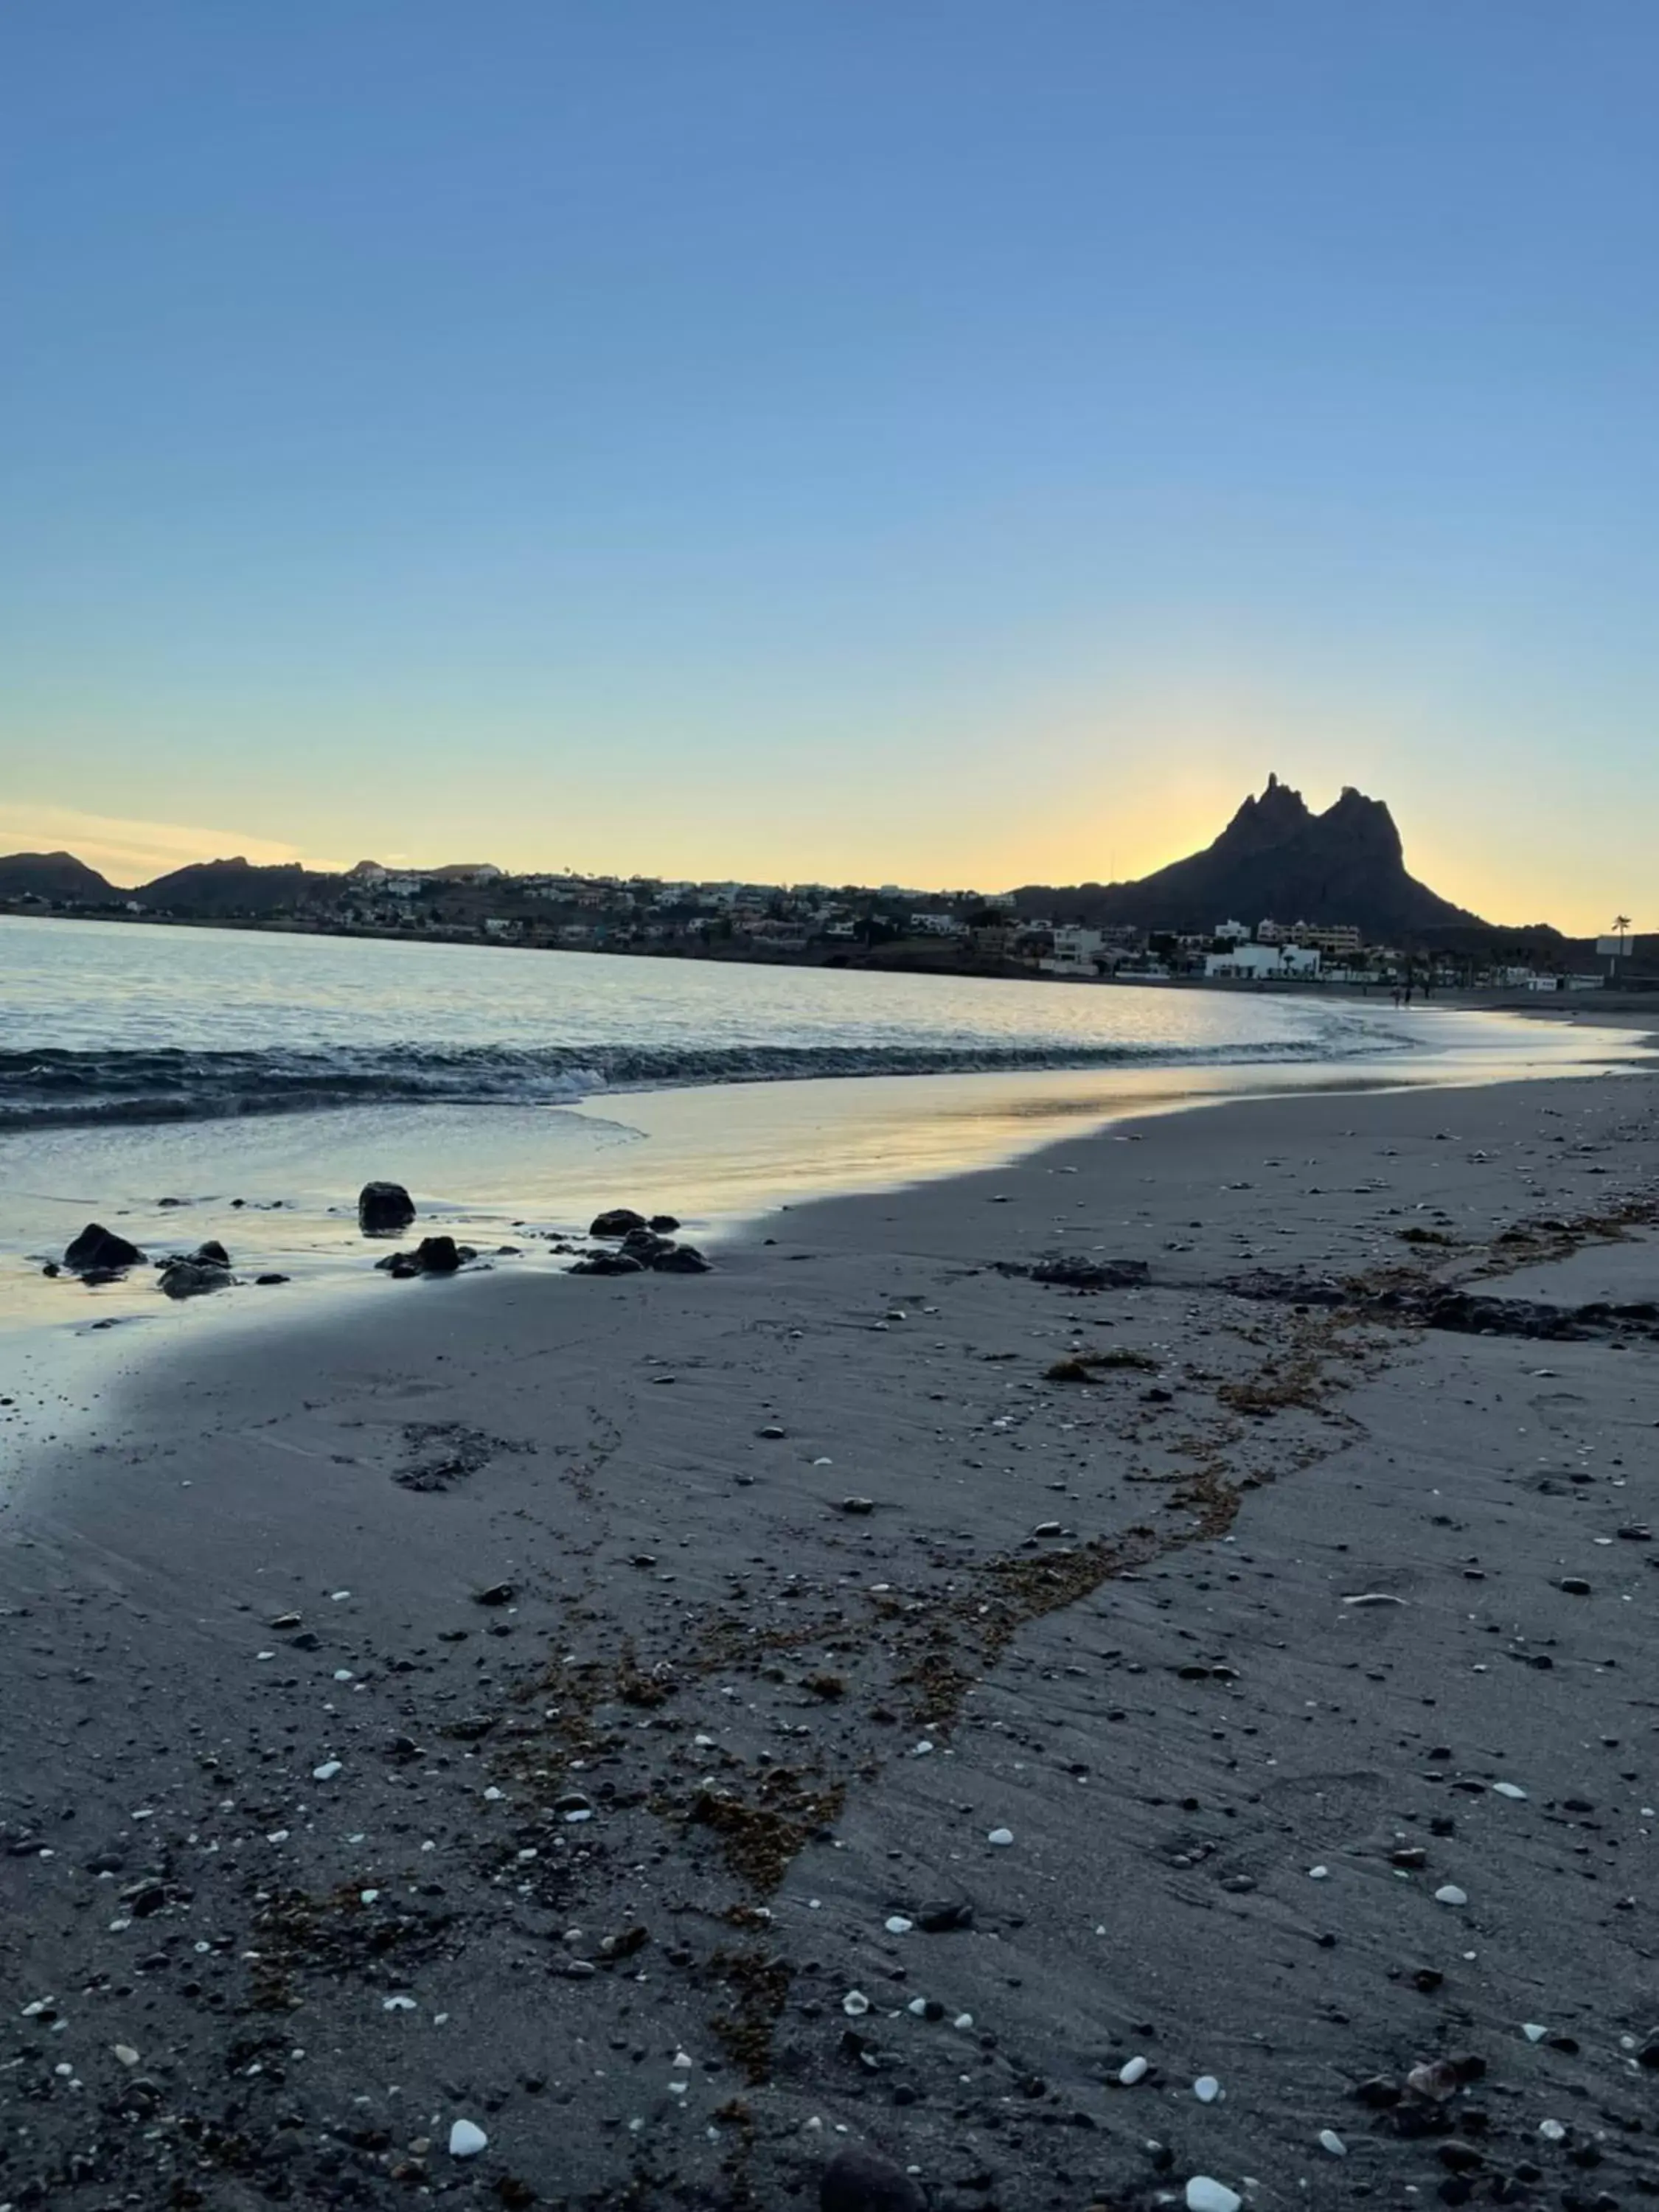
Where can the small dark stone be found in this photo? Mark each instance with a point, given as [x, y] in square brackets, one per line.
[607, 1263]
[1379, 2093]
[683, 1259]
[617, 1222]
[384, 1209]
[194, 1278]
[1460, 2157]
[497, 1593]
[265, 1281]
[1574, 1585]
[213, 1252]
[665, 1225]
[944, 1916]
[860, 2181]
[97, 1247]
[437, 1255]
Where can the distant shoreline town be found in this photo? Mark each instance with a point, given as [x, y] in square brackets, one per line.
[1334, 901]
[885, 927]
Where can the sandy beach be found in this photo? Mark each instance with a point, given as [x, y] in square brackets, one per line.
[871, 1695]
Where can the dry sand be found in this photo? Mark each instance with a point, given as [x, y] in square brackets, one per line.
[491, 1710]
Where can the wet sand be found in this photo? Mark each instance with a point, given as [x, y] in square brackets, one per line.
[586, 1708]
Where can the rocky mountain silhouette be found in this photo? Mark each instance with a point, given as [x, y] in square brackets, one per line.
[54, 876]
[1278, 860]
[231, 887]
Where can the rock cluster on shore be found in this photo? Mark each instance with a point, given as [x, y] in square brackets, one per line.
[642, 1247]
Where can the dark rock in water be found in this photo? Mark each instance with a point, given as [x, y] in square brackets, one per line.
[608, 1263]
[664, 1223]
[617, 1222]
[213, 1253]
[194, 1278]
[263, 1279]
[98, 1247]
[384, 1209]
[860, 2181]
[433, 1255]
[682, 1259]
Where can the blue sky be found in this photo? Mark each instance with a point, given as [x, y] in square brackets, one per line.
[949, 443]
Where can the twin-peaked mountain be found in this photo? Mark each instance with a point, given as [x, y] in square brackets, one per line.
[1278, 860]
[1275, 859]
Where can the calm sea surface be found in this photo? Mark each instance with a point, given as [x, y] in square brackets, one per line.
[516, 1091]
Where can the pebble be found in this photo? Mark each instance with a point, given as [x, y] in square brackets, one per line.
[466, 2140]
[1507, 1790]
[327, 1770]
[1000, 1836]
[1136, 2070]
[859, 2181]
[1207, 2088]
[1552, 2130]
[1450, 1893]
[1330, 2140]
[1319, 1874]
[1204, 2195]
[897, 1924]
[126, 2054]
[855, 2004]
[1533, 2032]
[1373, 1597]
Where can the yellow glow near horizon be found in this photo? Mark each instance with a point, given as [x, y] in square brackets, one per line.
[1102, 838]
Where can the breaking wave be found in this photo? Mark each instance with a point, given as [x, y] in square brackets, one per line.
[60, 1088]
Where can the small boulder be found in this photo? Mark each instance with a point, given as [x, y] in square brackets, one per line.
[437, 1255]
[682, 1259]
[212, 1254]
[665, 1225]
[645, 1246]
[99, 1248]
[384, 1209]
[194, 1278]
[618, 1222]
[608, 1263]
[859, 2181]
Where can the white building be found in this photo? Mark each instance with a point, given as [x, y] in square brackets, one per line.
[1260, 962]
[1233, 932]
[1075, 950]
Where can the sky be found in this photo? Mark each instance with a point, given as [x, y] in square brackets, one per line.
[952, 444]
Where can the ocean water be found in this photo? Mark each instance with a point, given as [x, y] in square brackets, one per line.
[108, 1022]
[257, 1081]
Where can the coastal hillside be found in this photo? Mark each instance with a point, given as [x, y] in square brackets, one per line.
[53, 876]
[1278, 859]
[233, 887]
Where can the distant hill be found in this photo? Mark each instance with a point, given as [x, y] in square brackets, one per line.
[54, 876]
[231, 887]
[1278, 860]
